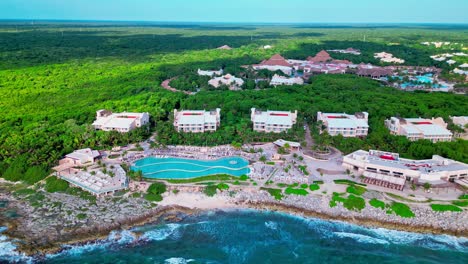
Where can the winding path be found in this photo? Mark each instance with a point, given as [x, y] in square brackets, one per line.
[166, 86]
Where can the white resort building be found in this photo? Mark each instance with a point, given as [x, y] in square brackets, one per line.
[210, 73]
[281, 80]
[460, 121]
[346, 125]
[389, 170]
[388, 57]
[96, 181]
[81, 157]
[272, 121]
[231, 81]
[121, 122]
[197, 121]
[434, 129]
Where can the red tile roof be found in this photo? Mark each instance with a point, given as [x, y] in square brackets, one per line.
[322, 56]
[276, 60]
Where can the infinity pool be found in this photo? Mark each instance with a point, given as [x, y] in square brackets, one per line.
[179, 168]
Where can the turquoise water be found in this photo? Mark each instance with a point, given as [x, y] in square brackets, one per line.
[265, 237]
[179, 168]
[424, 79]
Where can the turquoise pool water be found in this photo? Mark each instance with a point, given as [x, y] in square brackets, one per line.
[179, 168]
[424, 79]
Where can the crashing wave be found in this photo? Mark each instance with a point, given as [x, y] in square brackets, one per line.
[361, 238]
[178, 261]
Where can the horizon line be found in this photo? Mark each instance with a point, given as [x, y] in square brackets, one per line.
[230, 22]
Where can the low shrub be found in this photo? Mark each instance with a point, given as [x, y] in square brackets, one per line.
[445, 208]
[377, 203]
[295, 191]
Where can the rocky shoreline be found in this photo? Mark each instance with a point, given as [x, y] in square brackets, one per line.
[38, 243]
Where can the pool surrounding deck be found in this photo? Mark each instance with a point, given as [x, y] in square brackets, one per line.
[180, 168]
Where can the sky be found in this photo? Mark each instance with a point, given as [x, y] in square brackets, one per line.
[250, 11]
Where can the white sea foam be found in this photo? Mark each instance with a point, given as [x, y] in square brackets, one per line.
[272, 225]
[8, 251]
[161, 233]
[178, 261]
[362, 238]
[424, 240]
[119, 237]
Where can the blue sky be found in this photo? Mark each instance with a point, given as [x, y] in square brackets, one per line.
[279, 11]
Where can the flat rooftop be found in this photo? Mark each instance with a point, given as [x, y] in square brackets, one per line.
[435, 164]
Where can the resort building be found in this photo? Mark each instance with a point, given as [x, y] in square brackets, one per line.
[272, 121]
[450, 62]
[389, 170]
[81, 157]
[460, 121]
[210, 73]
[434, 129]
[281, 80]
[120, 122]
[275, 63]
[96, 181]
[387, 57]
[346, 125]
[375, 72]
[232, 82]
[290, 145]
[347, 51]
[224, 47]
[322, 56]
[197, 121]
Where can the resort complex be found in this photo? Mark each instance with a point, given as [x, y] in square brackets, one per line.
[230, 81]
[281, 80]
[81, 157]
[434, 129]
[272, 121]
[346, 125]
[95, 180]
[120, 122]
[197, 121]
[389, 170]
[275, 63]
[210, 73]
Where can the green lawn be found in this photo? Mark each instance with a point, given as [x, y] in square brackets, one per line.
[401, 209]
[276, 193]
[462, 203]
[353, 202]
[314, 187]
[295, 191]
[220, 177]
[463, 197]
[348, 182]
[377, 203]
[445, 208]
[357, 190]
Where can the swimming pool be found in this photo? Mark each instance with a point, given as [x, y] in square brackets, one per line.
[179, 168]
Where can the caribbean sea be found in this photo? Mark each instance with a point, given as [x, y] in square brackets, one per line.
[250, 236]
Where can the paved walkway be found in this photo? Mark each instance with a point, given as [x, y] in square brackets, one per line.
[166, 86]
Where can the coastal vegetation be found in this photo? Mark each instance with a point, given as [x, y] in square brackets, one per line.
[155, 191]
[276, 193]
[54, 184]
[296, 191]
[377, 203]
[400, 209]
[355, 189]
[53, 82]
[352, 202]
[217, 177]
[445, 208]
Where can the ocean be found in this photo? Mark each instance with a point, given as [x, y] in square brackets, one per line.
[250, 236]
